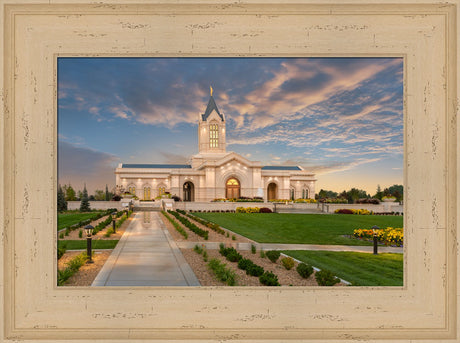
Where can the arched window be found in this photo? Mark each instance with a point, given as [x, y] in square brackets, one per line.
[305, 193]
[213, 136]
[292, 193]
[132, 190]
[161, 190]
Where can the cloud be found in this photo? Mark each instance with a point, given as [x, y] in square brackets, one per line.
[78, 165]
[173, 158]
[334, 167]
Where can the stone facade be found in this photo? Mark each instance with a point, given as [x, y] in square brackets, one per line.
[214, 172]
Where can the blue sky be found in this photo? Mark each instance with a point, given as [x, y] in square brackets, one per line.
[341, 118]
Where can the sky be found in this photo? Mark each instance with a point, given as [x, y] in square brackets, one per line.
[341, 118]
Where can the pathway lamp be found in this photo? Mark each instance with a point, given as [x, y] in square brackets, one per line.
[89, 231]
[374, 231]
[114, 217]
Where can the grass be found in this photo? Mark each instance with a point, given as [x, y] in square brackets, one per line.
[96, 244]
[70, 218]
[300, 228]
[361, 269]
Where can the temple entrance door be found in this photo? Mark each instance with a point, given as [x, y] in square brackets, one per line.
[189, 191]
[232, 190]
[271, 191]
[147, 193]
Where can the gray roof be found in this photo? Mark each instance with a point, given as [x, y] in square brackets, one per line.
[167, 166]
[211, 107]
[281, 168]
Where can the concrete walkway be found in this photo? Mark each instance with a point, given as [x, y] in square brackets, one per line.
[146, 255]
[277, 246]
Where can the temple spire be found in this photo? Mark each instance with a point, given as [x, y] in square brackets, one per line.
[210, 88]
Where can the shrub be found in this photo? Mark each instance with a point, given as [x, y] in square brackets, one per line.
[288, 262]
[67, 231]
[191, 226]
[234, 256]
[262, 254]
[205, 255]
[245, 263]
[273, 255]
[326, 278]
[108, 232]
[61, 235]
[198, 249]
[176, 225]
[80, 233]
[247, 210]
[116, 198]
[255, 270]
[233, 238]
[222, 272]
[304, 270]
[61, 250]
[269, 279]
[265, 210]
[253, 248]
[72, 267]
[344, 211]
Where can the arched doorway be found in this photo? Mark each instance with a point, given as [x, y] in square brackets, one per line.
[147, 193]
[232, 189]
[271, 191]
[189, 191]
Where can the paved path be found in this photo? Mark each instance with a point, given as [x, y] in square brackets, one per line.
[276, 246]
[146, 255]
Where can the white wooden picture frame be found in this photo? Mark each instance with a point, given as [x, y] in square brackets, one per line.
[35, 34]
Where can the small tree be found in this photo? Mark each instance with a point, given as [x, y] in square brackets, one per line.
[99, 195]
[84, 204]
[61, 202]
[70, 193]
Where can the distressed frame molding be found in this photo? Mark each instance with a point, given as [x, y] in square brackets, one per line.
[35, 34]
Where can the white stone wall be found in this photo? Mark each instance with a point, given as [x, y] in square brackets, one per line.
[96, 205]
[382, 207]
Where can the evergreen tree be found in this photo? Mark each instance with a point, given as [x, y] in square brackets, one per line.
[107, 195]
[61, 202]
[379, 193]
[84, 204]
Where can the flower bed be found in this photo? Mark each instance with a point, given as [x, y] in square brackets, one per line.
[307, 201]
[388, 236]
[361, 211]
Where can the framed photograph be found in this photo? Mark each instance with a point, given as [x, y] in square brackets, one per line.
[35, 36]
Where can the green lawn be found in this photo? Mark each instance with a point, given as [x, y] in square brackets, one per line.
[70, 218]
[300, 228]
[96, 244]
[361, 269]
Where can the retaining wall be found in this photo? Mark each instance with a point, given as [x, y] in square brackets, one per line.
[96, 205]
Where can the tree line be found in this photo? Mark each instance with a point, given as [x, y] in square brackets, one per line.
[67, 193]
[354, 194]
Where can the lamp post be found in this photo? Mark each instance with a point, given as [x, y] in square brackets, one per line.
[114, 217]
[374, 231]
[89, 232]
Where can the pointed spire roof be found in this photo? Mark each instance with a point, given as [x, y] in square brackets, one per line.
[211, 107]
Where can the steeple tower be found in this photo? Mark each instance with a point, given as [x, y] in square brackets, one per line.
[211, 129]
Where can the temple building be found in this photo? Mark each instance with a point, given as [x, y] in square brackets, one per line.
[215, 173]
